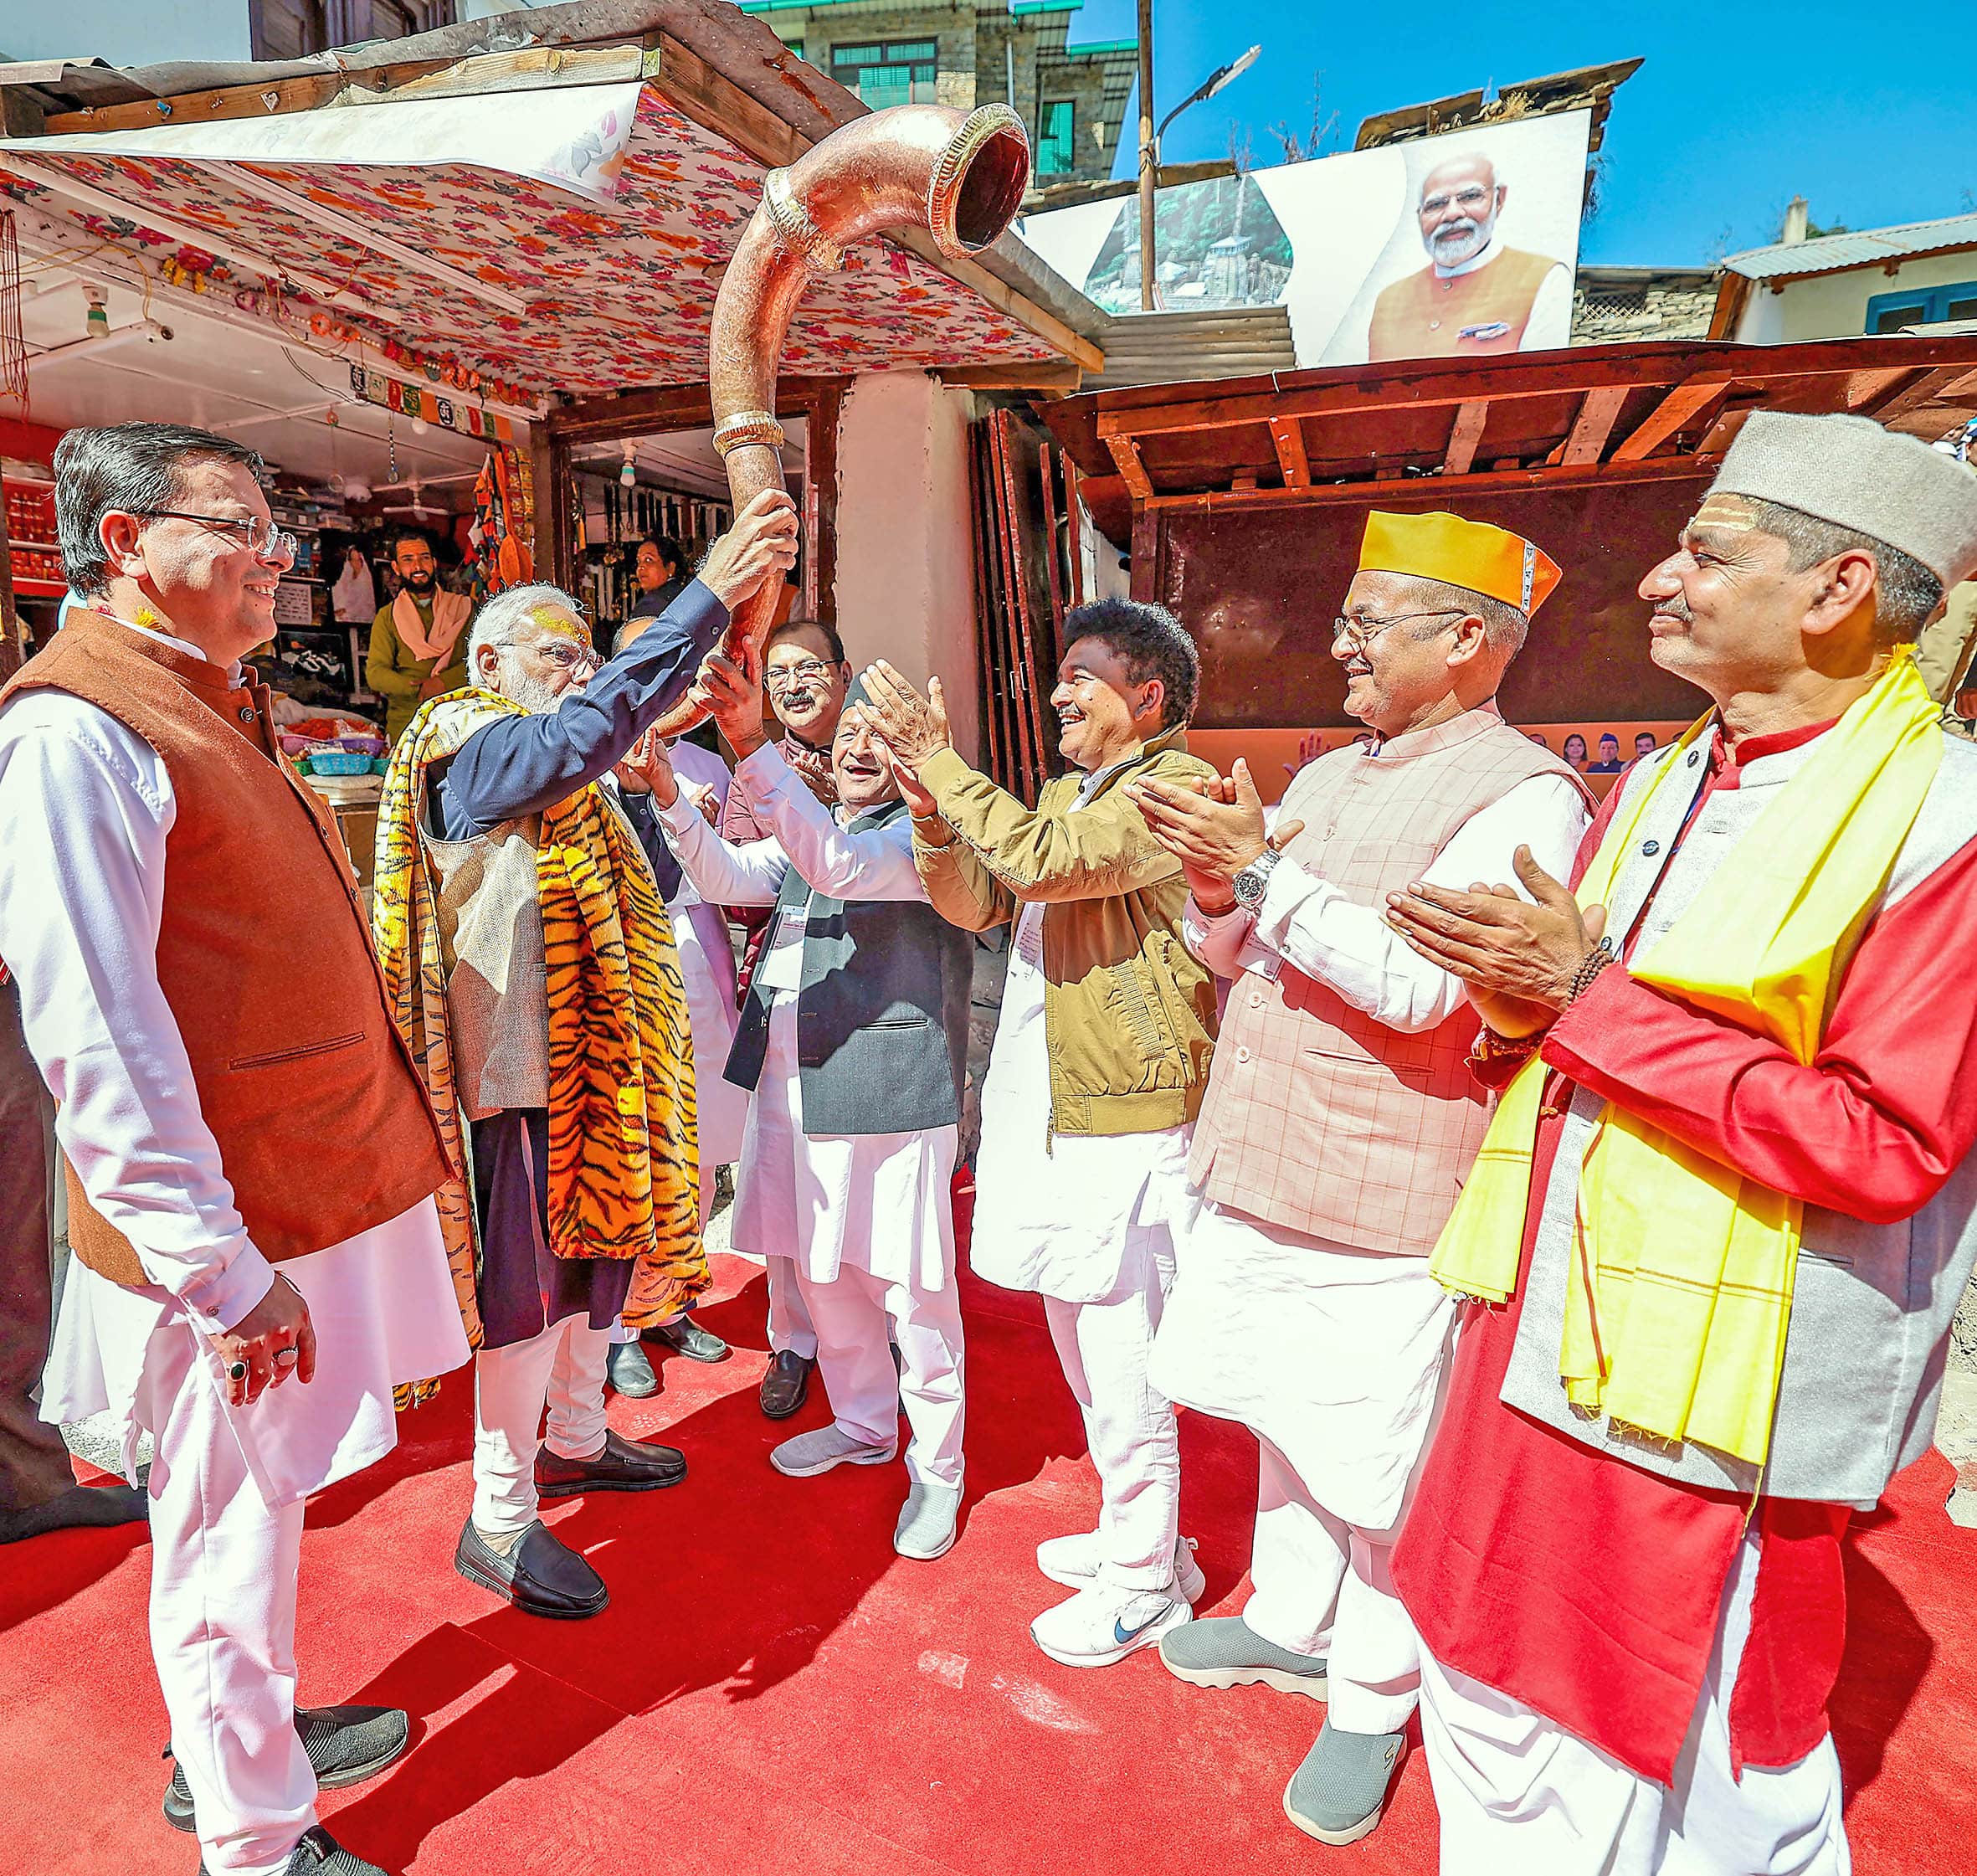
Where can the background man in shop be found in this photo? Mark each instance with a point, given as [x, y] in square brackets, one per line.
[852, 1041]
[1340, 1121]
[707, 971]
[805, 676]
[257, 1259]
[1739, 1089]
[419, 646]
[1106, 1030]
[563, 1013]
[1476, 295]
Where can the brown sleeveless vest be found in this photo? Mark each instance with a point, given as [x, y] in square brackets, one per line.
[264, 956]
[1319, 1118]
[1425, 316]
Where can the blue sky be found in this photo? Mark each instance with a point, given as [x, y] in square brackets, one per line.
[1868, 111]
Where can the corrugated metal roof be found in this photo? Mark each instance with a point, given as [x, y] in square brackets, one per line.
[1826, 254]
[1166, 349]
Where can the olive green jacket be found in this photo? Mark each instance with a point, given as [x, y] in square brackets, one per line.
[1129, 1016]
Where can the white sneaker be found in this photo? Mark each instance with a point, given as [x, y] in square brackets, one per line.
[817, 1451]
[1100, 1625]
[1074, 1561]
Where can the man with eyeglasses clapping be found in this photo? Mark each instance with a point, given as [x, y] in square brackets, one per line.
[1340, 1120]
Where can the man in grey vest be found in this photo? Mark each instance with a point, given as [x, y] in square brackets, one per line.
[1727, 1203]
[854, 1038]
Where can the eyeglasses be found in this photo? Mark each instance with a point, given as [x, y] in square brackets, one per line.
[811, 670]
[263, 539]
[559, 653]
[1355, 635]
[1468, 200]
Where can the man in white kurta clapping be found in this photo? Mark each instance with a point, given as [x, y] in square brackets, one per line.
[853, 1037]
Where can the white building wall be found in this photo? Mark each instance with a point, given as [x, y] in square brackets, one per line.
[1834, 306]
[904, 574]
[126, 32]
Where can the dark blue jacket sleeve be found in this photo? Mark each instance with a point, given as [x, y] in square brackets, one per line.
[521, 765]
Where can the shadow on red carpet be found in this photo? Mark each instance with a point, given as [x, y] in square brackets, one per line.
[773, 1689]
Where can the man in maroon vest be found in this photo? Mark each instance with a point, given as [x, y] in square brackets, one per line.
[1339, 1122]
[250, 1158]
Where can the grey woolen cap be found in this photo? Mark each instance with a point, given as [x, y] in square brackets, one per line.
[1852, 472]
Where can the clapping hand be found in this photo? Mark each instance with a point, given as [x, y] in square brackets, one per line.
[648, 769]
[1518, 957]
[1214, 826]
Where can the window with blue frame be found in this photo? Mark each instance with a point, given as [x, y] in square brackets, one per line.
[1922, 305]
[1056, 152]
[896, 73]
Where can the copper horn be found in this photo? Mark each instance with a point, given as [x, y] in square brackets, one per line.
[959, 175]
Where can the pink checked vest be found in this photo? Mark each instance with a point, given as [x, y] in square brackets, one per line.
[1318, 1118]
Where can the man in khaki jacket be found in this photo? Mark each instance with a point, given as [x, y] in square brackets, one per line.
[1099, 1066]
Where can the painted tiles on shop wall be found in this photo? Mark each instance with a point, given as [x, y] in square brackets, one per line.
[682, 200]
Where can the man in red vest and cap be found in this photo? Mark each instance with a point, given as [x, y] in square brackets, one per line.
[250, 1159]
[1340, 1121]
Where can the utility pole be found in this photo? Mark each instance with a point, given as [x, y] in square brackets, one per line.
[1147, 171]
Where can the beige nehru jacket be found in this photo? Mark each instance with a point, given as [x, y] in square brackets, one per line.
[1319, 1118]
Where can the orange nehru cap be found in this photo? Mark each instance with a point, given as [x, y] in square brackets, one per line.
[1468, 554]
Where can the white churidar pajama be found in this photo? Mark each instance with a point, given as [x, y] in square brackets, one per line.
[86, 808]
[866, 1220]
[1083, 1221]
[563, 1365]
[1332, 1354]
[1516, 1791]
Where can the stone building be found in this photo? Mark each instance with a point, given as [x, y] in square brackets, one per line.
[1610, 303]
[972, 52]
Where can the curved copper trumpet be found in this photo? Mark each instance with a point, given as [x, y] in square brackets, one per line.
[958, 175]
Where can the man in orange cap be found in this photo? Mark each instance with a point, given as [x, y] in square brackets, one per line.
[1340, 1120]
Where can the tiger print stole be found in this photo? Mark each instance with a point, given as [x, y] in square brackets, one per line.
[623, 1171]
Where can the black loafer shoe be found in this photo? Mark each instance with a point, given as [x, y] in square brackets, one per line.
[785, 1385]
[320, 1854]
[346, 1745]
[629, 1370]
[686, 1337]
[623, 1466]
[541, 1575]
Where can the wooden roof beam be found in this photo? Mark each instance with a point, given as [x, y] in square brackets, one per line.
[1595, 423]
[1425, 489]
[1132, 470]
[1683, 403]
[1465, 435]
[1921, 389]
[1288, 436]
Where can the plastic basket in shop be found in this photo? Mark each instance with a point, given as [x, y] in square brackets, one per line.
[338, 762]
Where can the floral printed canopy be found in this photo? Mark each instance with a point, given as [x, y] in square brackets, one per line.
[618, 260]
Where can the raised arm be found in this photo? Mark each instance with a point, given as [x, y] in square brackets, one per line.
[721, 873]
[873, 863]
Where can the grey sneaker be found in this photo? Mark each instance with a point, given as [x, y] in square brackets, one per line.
[1338, 1793]
[1224, 1651]
[926, 1527]
[810, 1453]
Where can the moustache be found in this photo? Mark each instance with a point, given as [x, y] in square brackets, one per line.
[1676, 609]
[1455, 231]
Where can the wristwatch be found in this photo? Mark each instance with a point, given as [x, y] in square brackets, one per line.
[1250, 884]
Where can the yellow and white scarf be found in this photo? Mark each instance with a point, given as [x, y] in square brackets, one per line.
[1681, 1284]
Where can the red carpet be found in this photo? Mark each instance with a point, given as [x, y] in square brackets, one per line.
[773, 1690]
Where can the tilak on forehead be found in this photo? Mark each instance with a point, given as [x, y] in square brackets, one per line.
[557, 623]
[1734, 513]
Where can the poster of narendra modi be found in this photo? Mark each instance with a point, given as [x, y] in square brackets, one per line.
[1455, 246]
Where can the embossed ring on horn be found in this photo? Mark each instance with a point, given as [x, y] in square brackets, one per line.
[978, 129]
[745, 427]
[796, 229]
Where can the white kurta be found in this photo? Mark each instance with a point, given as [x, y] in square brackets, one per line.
[81, 936]
[875, 1202]
[1073, 1216]
[707, 968]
